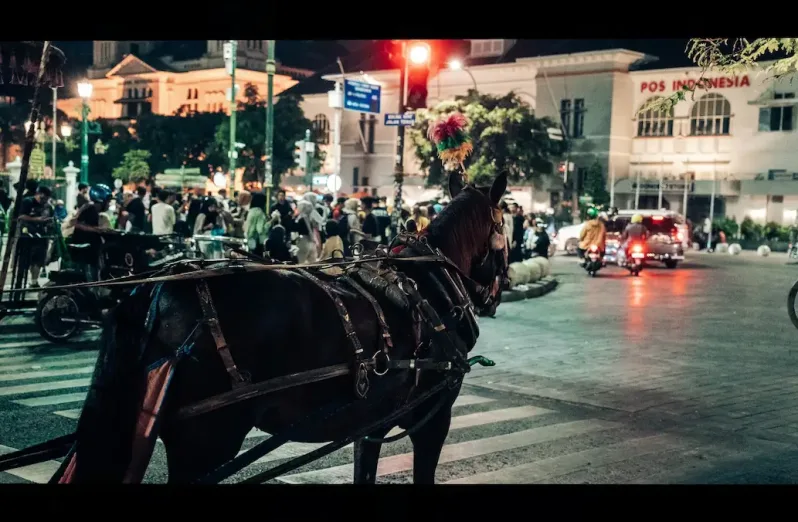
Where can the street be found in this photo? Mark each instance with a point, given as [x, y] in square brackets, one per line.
[677, 376]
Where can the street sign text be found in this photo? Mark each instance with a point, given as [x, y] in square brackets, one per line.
[405, 120]
[362, 97]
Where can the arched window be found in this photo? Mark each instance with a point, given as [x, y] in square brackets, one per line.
[653, 122]
[196, 94]
[149, 93]
[321, 129]
[710, 116]
[188, 96]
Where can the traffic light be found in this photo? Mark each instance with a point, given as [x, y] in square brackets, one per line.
[418, 63]
[299, 153]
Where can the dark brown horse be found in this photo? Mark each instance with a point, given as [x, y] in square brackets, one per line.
[277, 323]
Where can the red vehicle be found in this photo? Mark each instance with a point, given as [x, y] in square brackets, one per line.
[635, 256]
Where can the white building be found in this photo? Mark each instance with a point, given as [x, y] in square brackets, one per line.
[740, 131]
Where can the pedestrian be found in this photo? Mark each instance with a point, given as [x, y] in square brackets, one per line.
[256, 226]
[305, 226]
[34, 218]
[163, 214]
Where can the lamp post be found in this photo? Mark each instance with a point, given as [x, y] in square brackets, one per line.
[84, 90]
[457, 65]
[55, 132]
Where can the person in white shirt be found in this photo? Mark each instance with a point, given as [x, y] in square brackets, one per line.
[163, 214]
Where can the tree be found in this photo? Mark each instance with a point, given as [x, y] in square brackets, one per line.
[134, 166]
[776, 57]
[505, 134]
[290, 124]
[180, 140]
[595, 185]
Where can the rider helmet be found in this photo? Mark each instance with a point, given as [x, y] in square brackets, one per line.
[592, 213]
[100, 193]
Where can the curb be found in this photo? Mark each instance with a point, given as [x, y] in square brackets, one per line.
[537, 289]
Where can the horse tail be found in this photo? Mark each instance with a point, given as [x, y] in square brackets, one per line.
[106, 429]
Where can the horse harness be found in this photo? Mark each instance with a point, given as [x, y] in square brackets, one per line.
[402, 292]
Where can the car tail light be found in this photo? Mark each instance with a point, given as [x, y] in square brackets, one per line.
[637, 248]
[676, 235]
[657, 218]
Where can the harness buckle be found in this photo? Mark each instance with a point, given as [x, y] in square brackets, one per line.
[375, 366]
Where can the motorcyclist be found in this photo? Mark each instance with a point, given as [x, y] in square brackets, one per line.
[634, 231]
[539, 243]
[593, 233]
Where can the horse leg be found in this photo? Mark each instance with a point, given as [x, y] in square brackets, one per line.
[367, 455]
[427, 445]
[196, 448]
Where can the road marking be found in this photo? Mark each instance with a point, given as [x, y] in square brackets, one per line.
[461, 451]
[39, 473]
[53, 400]
[43, 386]
[45, 374]
[295, 449]
[69, 414]
[545, 469]
[40, 363]
[462, 400]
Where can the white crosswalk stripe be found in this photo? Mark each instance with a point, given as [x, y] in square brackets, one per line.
[52, 379]
[33, 369]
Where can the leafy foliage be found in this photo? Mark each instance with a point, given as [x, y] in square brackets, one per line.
[728, 225]
[290, 125]
[180, 140]
[596, 186]
[733, 57]
[134, 166]
[506, 137]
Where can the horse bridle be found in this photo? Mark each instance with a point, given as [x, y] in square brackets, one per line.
[487, 295]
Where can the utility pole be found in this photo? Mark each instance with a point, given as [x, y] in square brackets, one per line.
[612, 187]
[398, 170]
[637, 191]
[268, 182]
[712, 205]
[231, 50]
[55, 127]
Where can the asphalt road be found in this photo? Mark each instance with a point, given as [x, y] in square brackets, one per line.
[678, 376]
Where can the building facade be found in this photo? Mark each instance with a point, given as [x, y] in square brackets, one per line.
[131, 78]
[738, 131]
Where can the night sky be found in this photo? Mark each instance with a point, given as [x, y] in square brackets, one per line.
[671, 52]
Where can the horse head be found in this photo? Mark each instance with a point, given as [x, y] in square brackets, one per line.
[470, 232]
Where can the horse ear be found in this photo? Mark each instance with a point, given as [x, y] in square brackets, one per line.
[455, 184]
[498, 188]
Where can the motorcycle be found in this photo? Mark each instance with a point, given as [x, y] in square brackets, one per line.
[634, 257]
[61, 314]
[594, 260]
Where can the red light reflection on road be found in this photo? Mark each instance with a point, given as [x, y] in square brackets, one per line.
[637, 297]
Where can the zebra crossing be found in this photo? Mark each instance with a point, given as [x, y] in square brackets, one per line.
[494, 438]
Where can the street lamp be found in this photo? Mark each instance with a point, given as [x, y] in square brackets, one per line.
[66, 131]
[84, 90]
[456, 64]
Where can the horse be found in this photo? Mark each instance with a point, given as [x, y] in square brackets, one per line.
[278, 323]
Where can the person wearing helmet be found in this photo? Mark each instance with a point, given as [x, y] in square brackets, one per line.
[635, 229]
[593, 233]
[541, 241]
[89, 221]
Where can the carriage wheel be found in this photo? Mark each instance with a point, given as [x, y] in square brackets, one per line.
[52, 308]
[791, 304]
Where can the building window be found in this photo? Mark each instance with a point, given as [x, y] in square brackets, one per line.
[487, 48]
[367, 130]
[774, 119]
[355, 177]
[655, 123]
[777, 199]
[365, 181]
[188, 96]
[321, 129]
[710, 116]
[579, 118]
[565, 115]
[149, 93]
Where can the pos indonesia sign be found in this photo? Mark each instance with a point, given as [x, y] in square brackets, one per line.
[722, 82]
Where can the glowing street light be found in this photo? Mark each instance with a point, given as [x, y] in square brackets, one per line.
[66, 131]
[455, 64]
[84, 90]
[419, 53]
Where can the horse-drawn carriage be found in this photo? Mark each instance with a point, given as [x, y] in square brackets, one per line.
[339, 351]
[203, 351]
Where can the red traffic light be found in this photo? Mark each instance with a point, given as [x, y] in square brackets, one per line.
[419, 53]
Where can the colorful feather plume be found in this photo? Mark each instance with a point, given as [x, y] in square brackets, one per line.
[450, 139]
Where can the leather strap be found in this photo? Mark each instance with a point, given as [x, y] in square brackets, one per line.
[212, 320]
[386, 333]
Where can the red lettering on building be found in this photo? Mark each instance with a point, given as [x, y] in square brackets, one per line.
[707, 83]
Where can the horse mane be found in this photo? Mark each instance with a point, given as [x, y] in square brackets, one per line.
[460, 230]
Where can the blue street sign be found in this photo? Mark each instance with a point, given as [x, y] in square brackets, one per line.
[361, 97]
[405, 120]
